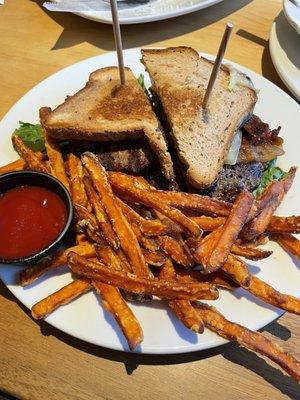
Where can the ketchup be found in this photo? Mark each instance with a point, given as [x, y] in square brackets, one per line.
[31, 218]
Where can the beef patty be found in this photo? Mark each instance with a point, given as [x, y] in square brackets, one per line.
[235, 178]
[130, 156]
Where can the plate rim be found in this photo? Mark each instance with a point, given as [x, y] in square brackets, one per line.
[273, 43]
[294, 22]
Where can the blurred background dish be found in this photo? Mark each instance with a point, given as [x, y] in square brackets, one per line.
[149, 11]
[285, 53]
[292, 12]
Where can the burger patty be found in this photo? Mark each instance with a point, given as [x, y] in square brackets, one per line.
[235, 178]
[130, 156]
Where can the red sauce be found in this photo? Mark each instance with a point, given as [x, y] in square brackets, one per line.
[31, 218]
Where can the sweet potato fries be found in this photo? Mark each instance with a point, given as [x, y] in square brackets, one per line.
[132, 241]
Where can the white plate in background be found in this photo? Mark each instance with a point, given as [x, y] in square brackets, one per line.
[292, 13]
[285, 53]
[156, 10]
[84, 318]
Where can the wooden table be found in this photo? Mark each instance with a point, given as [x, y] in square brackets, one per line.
[36, 360]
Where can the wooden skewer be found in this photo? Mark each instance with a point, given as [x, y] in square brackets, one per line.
[217, 64]
[118, 39]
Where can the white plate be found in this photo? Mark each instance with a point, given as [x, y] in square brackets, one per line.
[285, 53]
[292, 13]
[84, 318]
[154, 11]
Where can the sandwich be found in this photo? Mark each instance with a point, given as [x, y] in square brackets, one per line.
[116, 120]
[217, 145]
[219, 150]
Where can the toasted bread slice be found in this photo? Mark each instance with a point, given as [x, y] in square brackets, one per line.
[202, 139]
[104, 110]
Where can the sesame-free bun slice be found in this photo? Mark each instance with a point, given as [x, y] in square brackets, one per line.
[202, 139]
[105, 110]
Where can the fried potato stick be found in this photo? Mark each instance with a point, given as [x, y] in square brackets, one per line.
[132, 283]
[271, 191]
[113, 300]
[187, 315]
[87, 223]
[272, 296]
[237, 270]
[153, 200]
[260, 223]
[276, 225]
[207, 223]
[259, 241]
[157, 259]
[251, 253]
[18, 165]
[231, 229]
[182, 308]
[31, 158]
[85, 218]
[247, 250]
[284, 224]
[82, 239]
[56, 159]
[63, 296]
[255, 341]
[102, 219]
[217, 278]
[288, 242]
[155, 227]
[175, 250]
[218, 245]
[147, 242]
[148, 227]
[109, 257]
[128, 240]
[75, 172]
[117, 306]
[116, 259]
[31, 273]
[189, 201]
[130, 213]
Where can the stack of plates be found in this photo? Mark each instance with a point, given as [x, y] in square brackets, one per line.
[285, 45]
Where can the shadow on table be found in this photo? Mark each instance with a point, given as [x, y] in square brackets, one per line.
[77, 30]
[132, 361]
[6, 396]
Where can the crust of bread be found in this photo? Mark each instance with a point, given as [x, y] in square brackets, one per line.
[202, 139]
[104, 110]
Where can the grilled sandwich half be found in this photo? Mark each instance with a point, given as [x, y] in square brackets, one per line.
[201, 138]
[105, 111]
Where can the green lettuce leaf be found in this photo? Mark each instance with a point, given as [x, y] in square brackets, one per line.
[141, 81]
[270, 173]
[32, 135]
